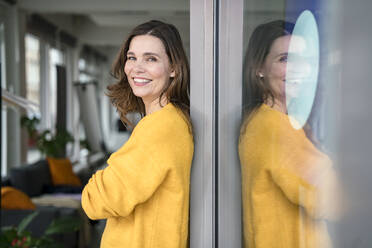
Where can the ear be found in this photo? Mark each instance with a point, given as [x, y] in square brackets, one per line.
[259, 74]
[172, 74]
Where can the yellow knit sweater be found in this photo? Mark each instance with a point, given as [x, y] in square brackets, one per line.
[287, 184]
[144, 192]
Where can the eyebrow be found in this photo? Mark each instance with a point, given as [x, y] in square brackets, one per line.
[145, 54]
[281, 54]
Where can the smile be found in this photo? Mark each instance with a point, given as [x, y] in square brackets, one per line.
[141, 81]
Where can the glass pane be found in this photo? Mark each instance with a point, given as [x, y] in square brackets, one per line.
[3, 110]
[32, 45]
[3, 141]
[55, 58]
[291, 188]
[348, 76]
[2, 56]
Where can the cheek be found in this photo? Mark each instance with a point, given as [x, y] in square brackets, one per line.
[279, 70]
[127, 68]
[277, 75]
[158, 71]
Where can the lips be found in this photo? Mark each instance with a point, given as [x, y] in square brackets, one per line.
[140, 81]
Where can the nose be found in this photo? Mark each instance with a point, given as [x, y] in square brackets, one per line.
[299, 67]
[138, 66]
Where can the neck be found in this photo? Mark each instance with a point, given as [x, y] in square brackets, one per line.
[152, 106]
[278, 105]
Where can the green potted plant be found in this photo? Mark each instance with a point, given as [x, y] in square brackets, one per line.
[54, 145]
[49, 144]
[31, 126]
[19, 237]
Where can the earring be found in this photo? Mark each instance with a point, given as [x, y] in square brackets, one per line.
[260, 75]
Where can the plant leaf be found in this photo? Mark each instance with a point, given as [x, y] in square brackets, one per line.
[7, 228]
[24, 223]
[62, 225]
[8, 234]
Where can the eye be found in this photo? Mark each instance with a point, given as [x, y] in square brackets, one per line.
[152, 59]
[283, 58]
[130, 57]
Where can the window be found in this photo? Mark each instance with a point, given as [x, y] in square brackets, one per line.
[32, 68]
[46, 96]
[3, 110]
[32, 54]
[56, 57]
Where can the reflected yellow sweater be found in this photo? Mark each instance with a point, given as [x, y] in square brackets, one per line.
[144, 191]
[288, 184]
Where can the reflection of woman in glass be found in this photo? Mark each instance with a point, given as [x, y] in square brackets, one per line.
[144, 191]
[287, 181]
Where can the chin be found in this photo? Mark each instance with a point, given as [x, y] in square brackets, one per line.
[145, 96]
[140, 92]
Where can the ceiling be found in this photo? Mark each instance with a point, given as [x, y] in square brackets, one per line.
[105, 23]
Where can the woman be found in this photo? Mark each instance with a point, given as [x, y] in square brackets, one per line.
[144, 191]
[287, 182]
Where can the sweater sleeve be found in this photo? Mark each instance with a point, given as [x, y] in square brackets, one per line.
[134, 173]
[305, 175]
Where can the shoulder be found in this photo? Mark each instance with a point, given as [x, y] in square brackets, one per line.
[271, 128]
[263, 120]
[168, 123]
[269, 117]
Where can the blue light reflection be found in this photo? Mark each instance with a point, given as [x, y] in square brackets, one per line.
[302, 69]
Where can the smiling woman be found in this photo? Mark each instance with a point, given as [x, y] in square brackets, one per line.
[144, 192]
[148, 70]
[289, 186]
[154, 55]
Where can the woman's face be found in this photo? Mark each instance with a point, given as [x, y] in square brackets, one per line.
[147, 67]
[274, 67]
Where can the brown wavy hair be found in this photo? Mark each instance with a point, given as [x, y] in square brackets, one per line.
[257, 89]
[177, 91]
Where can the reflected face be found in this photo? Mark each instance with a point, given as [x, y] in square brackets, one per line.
[147, 67]
[275, 67]
[298, 67]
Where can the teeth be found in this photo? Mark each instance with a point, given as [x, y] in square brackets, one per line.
[141, 80]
